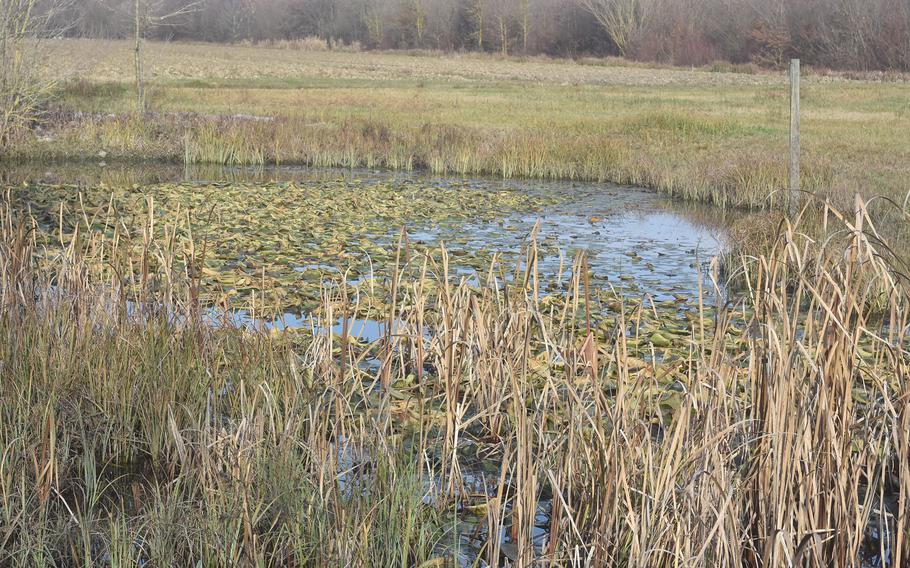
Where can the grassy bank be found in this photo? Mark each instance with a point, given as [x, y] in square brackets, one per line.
[699, 134]
[769, 432]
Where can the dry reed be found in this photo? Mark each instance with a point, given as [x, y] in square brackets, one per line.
[132, 433]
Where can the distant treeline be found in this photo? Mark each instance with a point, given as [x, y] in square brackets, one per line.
[845, 34]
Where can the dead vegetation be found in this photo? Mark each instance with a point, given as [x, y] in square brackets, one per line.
[771, 431]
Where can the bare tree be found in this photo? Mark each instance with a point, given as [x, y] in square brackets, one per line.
[479, 15]
[854, 34]
[440, 25]
[525, 23]
[506, 14]
[620, 18]
[236, 17]
[148, 14]
[419, 18]
[374, 20]
[23, 27]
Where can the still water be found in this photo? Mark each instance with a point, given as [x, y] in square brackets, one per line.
[635, 240]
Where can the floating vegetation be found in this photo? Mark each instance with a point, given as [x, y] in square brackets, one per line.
[268, 247]
[268, 244]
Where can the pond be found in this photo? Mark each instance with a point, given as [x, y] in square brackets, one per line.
[286, 233]
[292, 234]
[307, 230]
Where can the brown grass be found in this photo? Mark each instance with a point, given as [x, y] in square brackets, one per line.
[772, 431]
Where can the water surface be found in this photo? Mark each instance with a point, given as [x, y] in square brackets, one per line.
[635, 241]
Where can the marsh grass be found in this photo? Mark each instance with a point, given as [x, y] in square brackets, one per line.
[133, 438]
[745, 181]
[769, 432]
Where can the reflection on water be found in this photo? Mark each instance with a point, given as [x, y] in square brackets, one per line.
[366, 330]
[635, 240]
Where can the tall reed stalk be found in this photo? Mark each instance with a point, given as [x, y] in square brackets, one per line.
[772, 433]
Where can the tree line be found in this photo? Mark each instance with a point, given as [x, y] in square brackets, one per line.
[846, 34]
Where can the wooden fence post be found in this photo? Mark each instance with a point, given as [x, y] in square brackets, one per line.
[793, 198]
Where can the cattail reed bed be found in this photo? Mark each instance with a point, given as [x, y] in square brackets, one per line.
[489, 425]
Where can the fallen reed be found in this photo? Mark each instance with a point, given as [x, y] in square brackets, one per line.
[490, 423]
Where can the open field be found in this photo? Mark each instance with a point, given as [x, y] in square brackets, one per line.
[720, 137]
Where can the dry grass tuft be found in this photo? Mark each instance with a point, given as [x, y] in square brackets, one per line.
[771, 432]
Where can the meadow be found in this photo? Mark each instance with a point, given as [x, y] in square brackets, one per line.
[525, 396]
